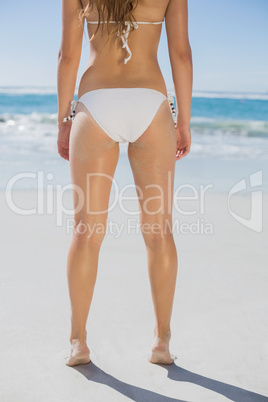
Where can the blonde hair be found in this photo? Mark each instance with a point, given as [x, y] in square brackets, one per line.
[111, 10]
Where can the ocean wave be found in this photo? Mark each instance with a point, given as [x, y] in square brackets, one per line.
[231, 95]
[28, 90]
[44, 124]
[34, 136]
[220, 127]
[29, 125]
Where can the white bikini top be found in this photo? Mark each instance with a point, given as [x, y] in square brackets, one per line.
[125, 34]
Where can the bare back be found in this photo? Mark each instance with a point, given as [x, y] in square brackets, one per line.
[106, 68]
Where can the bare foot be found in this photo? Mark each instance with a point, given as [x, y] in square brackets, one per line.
[160, 352]
[80, 354]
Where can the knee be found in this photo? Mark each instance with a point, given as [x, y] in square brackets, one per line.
[87, 234]
[158, 240]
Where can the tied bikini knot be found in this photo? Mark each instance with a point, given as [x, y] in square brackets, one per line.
[124, 38]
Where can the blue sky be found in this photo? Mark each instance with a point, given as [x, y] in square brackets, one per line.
[228, 40]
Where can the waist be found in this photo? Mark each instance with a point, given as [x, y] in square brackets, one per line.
[108, 75]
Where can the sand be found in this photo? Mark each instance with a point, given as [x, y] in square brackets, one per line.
[219, 321]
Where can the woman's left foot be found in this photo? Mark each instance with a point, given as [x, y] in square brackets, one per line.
[80, 354]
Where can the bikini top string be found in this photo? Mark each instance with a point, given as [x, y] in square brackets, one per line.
[124, 36]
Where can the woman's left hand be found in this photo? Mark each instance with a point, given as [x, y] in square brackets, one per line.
[63, 139]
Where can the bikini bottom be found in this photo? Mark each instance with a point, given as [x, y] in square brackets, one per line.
[124, 114]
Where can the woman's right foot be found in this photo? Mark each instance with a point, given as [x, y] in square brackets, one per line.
[160, 352]
[80, 353]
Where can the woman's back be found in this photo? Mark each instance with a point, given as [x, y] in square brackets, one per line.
[106, 67]
[123, 99]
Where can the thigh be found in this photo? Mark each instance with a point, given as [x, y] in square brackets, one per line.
[152, 158]
[93, 158]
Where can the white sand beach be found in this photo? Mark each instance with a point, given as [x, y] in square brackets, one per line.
[219, 322]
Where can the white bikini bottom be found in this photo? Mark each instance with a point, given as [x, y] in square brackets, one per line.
[124, 113]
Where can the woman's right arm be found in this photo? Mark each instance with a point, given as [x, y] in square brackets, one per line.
[176, 20]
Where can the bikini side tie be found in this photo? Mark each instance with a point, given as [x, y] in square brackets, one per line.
[73, 109]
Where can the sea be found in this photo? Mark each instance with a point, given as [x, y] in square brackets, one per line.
[229, 141]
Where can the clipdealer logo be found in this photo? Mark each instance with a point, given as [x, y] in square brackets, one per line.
[256, 212]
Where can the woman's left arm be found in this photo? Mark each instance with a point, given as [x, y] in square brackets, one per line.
[69, 55]
[68, 64]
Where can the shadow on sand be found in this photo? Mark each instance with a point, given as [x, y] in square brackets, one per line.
[175, 373]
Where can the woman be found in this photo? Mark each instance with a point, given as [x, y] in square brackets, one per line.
[122, 98]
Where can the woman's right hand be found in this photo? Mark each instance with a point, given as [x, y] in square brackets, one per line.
[183, 141]
[63, 139]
